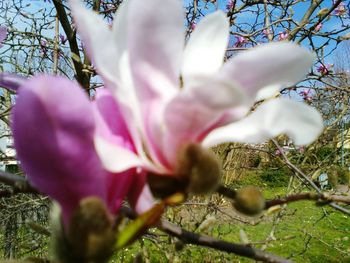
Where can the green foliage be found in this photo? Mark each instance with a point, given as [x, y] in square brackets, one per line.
[325, 152]
[256, 161]
[300, 221]
[265, 178]
[343, 175]
[333, 179]
[275, 178]
[248, 178]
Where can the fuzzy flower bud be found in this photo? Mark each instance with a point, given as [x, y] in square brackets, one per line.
[249, 201]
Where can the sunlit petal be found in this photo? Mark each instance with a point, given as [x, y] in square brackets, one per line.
[279, 116]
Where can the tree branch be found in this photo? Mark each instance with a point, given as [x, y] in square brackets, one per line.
[207, 241]
[19, 183]
[82, 77]
[306, 178]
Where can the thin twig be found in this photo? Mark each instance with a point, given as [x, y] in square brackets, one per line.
[19, 183]
[207, 241]
[306, 178]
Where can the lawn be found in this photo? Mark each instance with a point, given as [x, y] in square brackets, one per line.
[302, 232]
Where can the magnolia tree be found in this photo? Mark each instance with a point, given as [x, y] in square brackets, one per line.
[115, 107]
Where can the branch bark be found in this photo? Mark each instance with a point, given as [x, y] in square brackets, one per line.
[82, 77]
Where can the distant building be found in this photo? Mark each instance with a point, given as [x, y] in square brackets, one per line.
[8, 161]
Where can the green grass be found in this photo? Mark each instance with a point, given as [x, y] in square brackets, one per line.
[305, 233]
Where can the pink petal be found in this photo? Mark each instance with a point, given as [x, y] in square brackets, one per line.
[186, 119]
[107, 50]
[155, 63]
[140, 196]
[53, 128]
[110, 121]
[3, 34]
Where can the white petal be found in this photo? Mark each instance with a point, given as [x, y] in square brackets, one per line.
[97, 39]
[155, 43]
[279, 116]
[204, 52]
[108, 51]
[268, 92]
[269, 64]
[155, 39]
[217, 93]
[116, 158]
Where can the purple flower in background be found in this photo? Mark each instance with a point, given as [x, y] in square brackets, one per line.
[266, 32]
[306, 95]
[63, 39]
[43, 47]
[229, 5]
[340, 10]
[193, 26]
[318, 27]
[240, 41]
[324, 69]
[282, 36]
[3, 34]
[278, 152]
[301, 149]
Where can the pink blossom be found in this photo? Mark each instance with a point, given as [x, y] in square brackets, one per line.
[193, 25]
[240, 41]
[306, 95]
[282, 36]
[209, 105]
[340, 10]
[43, 47]
[324, 69]
[301, 149]
[63, 39]
[3, 34]
[266, 32]
[229, 5]
[11, 81]
[278, 152]
[54, 125]
[318, 27]
[212, 105]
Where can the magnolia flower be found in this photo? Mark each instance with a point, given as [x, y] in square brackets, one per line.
[240, 41]
[306, 95]
[63, 39]
[266, 32]
[173, 97]
[43, 47]
[340, 10]
[282, 36]
[3, 34]
[318, 27]
[229, 5]
[54, 125]
[324, 69]
[193, 26]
